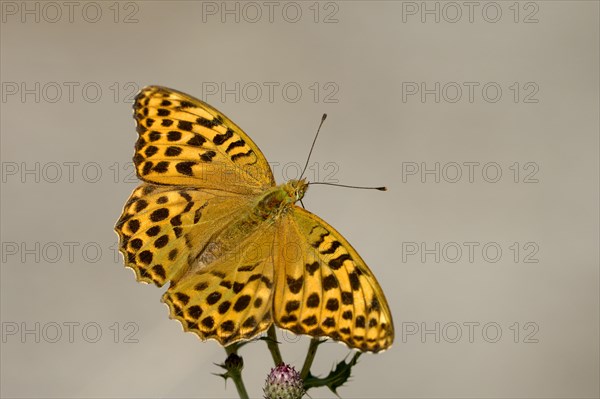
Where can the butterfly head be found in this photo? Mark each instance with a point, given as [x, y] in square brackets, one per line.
[296, 189]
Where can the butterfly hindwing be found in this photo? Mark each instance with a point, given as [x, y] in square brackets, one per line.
[324, 288]
[231, 300]
[163, 229]
[184, 141]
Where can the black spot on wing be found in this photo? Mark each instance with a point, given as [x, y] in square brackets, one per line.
[195, 311]
[136, 243]
[291, 306]
[336, 263]
[332, 304]
[201, 286]
[208, 156]
[258, 302]
[173, 151]
[152, 231]
[221, 138]
[241, 154]
[250, 322]
[183, 298]
[360, 322]
[288, 319]
[185, 168]
[313, 300]
[159, 270]
[146, 257]
[242, 303]
[329, 322]
[266, 281]
[196, 141]
[161, 241]
[375, 305]
[311, 268]
[317, 243]
[185, 196]
[334, 245]
[248, 268]
[228, 326]
[231, 146]
[224, 307]
[295, 285]
[147, 168]
[330, 282]
[208, 322]
[133, 225]
[186, 104]
[213, 298]
[238, 287]
[185, 125]
[174, 135]
[354, 281]
[161, 167]
[347, 298]
[208, 123]
[159, 214]
[140, 205]
[154, 135]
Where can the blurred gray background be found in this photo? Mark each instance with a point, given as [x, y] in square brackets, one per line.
[481, 118]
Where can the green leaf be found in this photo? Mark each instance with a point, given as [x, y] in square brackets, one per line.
[336, 378]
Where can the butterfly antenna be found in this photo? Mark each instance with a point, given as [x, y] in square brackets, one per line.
[313, 144]
[346, 186]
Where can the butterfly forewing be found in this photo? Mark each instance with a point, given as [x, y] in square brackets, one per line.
[184, 141]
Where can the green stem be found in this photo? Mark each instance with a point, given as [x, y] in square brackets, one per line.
[310, 356]
[274, 345]
[236, 375]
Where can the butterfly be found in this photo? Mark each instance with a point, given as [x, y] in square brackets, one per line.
[237, 251]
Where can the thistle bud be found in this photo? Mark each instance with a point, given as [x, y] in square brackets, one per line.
[284, 382]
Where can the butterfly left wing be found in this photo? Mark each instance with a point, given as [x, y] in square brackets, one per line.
[184, 141]
[231, 299]
[324, 288]
[163, 230]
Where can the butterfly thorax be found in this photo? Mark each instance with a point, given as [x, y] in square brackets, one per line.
[267, 209]
[276, 200]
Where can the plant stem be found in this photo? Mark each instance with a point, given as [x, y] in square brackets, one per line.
[310, 356]
[236, 375]
[274, 345]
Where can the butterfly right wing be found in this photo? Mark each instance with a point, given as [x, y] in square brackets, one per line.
[164, 229]
[323, 287]
[184, 141]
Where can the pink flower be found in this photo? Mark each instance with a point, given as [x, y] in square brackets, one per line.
[284, 382]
